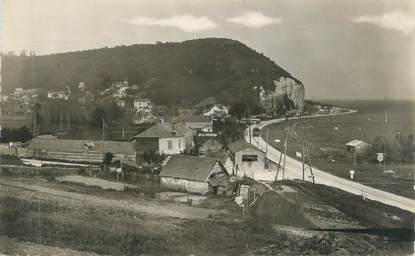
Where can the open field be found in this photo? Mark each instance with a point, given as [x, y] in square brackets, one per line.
[334, 132]
[42, 214]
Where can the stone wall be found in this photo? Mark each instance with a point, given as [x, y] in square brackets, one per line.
[185, 185]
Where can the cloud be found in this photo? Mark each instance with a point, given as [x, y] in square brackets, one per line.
[253, 20]
[186, 22]
[395, 20]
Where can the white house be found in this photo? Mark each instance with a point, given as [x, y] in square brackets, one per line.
[144, 105]
[218, 111]
[199, 123]
[164, 138]
[58, 95]
[246, 157]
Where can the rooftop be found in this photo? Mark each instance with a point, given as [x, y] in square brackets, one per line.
[189, 167]
[240, 145]
[160, 130]
[355, 143]
[206, 102]
[197, 118]
[66, 145]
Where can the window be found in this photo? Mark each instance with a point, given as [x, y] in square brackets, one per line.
[169, 144]
[249, 158]
[180, 144]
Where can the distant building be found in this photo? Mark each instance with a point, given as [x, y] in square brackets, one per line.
[18, 92]
[246, 157]
[195, 175]
[210, 146]
[165, 138]
[81, 86]
[356, 146]
[144, 105]
[199, 123]
[218, 111]
[60, 94]
[205, 104]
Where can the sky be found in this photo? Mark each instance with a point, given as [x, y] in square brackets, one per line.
[343, 49]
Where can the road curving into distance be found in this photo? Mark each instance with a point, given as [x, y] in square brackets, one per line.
[293, 170]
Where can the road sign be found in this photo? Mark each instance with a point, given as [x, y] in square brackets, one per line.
[244, 191]
[351, 174]
[380, 157]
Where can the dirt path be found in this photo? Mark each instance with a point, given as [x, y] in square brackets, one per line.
[150, 207]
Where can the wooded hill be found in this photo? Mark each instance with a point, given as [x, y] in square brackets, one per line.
[170, 73]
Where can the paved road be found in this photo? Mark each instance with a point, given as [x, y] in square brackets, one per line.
[294, 171]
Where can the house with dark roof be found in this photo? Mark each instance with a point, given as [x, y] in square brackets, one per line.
[164, 138]
[194, 174]
[199, 123]
[210, 146]
[49, 147]
[246, 157]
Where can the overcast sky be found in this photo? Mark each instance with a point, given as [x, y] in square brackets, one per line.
[351, 49]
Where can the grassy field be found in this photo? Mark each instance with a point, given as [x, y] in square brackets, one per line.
[43, 212]
[326, 138]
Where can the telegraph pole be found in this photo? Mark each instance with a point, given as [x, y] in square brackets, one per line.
[0, 100]
[266, 152]
[103, 129]
[303, 157]
[285, 155]
[60, 121]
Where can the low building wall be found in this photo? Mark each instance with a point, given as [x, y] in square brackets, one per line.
[185, 185]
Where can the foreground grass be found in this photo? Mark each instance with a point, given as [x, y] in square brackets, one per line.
[107, 230]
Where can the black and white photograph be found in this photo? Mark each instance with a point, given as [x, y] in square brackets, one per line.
[207, 127]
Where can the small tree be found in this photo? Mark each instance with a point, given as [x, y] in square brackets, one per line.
[153, 158]
[108, 156]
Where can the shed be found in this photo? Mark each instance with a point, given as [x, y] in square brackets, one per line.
[246, 157]
[356, 146]
[210, 146]
[193, 174]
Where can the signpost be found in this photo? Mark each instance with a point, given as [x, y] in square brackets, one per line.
[381, 158]
[351, 174]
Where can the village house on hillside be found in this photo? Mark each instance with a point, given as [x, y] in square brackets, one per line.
[82, 150]
[246, 157]
[216, 112]
[205, 104]
[165, 138]
[58, 94]
[195, 174]
[141, 104]
[199, 123]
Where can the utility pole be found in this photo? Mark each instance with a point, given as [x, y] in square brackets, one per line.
[249, 131]
[103, 129]
[285, 155]
[281, 153]
[303, 157]
[266, 153]
[60, 121]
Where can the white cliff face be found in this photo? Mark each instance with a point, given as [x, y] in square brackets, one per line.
[283, 86]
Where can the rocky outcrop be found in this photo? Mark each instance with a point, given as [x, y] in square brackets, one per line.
[286, 92]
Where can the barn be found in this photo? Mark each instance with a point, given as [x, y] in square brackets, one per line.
[246, 157]
[194, 174]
